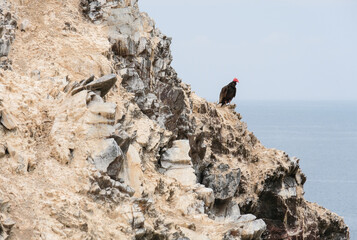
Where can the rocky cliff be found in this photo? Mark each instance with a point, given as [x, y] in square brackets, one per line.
[100, 139]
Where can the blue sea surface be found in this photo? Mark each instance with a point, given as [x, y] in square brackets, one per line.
[323, 135]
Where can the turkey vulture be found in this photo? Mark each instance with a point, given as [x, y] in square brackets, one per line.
[228, 92]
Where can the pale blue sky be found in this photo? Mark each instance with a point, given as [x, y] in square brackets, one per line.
[279, 49]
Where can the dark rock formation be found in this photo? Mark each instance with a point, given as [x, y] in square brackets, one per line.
[222, 180]
[102, 85]
[104, 187]
[144, 65]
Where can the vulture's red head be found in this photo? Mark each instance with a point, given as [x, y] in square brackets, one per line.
[236, 80]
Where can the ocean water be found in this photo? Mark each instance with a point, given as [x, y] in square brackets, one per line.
[323, 135]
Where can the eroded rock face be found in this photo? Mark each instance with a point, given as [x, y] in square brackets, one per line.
[109, 153]
[104, 187]
[223, 180]
[102, 85]
[8, 26]
[95, 9]
[84, 105]
[142, 58]
[177, 163]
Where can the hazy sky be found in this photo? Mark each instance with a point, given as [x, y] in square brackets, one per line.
[279, 49]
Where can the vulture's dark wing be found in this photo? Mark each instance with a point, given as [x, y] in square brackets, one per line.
[223, 94]
[234, 92]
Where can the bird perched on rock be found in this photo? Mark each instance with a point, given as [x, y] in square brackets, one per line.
[228, 92]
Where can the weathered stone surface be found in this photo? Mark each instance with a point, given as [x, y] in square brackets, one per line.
[226, 210]
[177, 156]
[192, 235]
[246, 218]
[253, 229]
[177, 163]
[103, 84]
[95, 9]
[8, 26]
[123, 140]
[223, 181]
[4, 47]
[6, 224]
[131, 171]
[7, 120]
[109, 153]
[205, 194]
[104, 187]
[186, 176]
[105, 110]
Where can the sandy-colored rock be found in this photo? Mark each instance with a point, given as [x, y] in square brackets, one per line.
[7, 120]
[177, 155]
[205, 194]
[177, 163]
[131, 171]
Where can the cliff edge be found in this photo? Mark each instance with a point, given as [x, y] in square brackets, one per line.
[100, 139]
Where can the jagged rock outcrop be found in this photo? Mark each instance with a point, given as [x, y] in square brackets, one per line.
[8, 26]
[129, 152]
[142, 58]
[224, 182]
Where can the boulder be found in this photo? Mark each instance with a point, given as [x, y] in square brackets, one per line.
[223, 180]
[253, 230]
[226, 210]
[123, 140]
[177, 156]
[109, 153]
[7, 120]
[103, 84]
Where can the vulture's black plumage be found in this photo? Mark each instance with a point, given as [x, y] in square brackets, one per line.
[228, 92]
